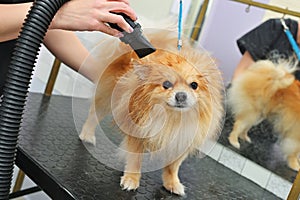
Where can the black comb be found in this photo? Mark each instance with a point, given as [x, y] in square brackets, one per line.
[136, 40]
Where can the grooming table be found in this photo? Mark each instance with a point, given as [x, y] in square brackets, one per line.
[51, 154]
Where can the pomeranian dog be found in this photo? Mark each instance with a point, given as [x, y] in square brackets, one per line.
[268, 91]
[167, 103]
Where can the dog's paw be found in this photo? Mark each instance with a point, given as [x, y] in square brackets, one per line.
[130, 182]
[89, 138]
[246, 138]
[175, 187]
[234, 142]
[294, 164]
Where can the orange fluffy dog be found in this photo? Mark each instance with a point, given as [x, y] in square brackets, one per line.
[166, 103]
[268, 91]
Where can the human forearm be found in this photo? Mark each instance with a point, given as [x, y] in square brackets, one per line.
[11, 19]
[66, 47]
[243, 65]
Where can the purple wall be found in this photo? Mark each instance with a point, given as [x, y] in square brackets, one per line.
[226, 21]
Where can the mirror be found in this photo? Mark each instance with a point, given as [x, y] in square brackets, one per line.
[262, 160]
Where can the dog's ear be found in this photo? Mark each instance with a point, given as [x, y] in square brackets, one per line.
[140, 69]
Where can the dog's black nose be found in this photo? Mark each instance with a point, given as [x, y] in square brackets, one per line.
[180, 97]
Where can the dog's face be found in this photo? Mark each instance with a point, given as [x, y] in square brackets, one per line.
[172, 81]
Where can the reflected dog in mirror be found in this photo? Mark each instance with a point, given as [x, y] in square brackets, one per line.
[268, 91]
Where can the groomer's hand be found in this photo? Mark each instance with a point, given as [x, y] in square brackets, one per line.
[92, 15]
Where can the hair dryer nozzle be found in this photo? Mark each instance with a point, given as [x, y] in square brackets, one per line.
[136, 40]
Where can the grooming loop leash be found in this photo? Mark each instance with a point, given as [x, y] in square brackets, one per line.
[291, 38]
[179, 42]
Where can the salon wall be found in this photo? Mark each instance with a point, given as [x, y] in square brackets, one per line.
[226, 21]
[289, 4]
[154, 9]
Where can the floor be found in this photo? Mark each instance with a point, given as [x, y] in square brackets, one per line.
[221, 153]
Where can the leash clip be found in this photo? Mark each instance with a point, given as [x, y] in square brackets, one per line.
[284, 24]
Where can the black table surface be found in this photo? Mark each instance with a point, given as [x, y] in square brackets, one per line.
[52, 155]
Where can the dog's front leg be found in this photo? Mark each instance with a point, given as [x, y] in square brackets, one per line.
[170, 177]
[240, 130]
[294, 161]
[134, 154]
[88, 130]
[98, 110]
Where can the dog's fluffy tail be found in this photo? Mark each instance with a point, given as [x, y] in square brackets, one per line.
[261, 79]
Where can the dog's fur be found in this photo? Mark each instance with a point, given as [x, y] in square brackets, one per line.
[150, 114]
[267, 91]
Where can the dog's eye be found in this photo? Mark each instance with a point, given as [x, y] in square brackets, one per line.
[194, 85]
[167, 85]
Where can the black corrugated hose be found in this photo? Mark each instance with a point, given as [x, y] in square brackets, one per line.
[17, 84]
